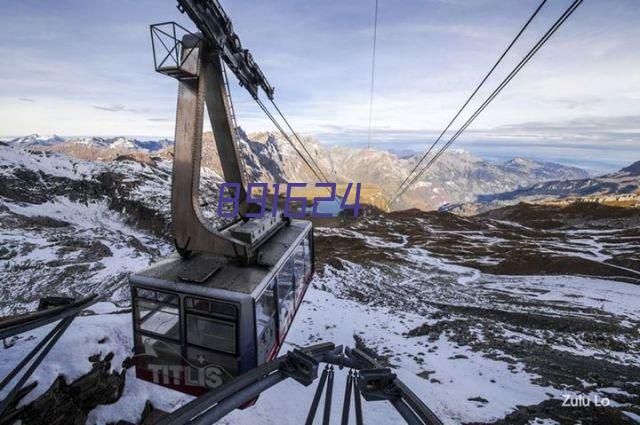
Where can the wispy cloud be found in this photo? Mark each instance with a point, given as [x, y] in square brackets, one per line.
[120, 108]
[614, 129]
[623, 130]
[459, 30]
[581, 89]
[111, 108]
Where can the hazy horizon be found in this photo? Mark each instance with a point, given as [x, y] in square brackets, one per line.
[484, 150]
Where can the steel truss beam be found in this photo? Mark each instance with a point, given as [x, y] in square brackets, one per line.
[373, 382]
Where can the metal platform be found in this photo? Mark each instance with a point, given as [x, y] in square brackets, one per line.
[203, 271]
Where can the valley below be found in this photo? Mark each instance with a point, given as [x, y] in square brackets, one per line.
[492, 318]
[555, 301]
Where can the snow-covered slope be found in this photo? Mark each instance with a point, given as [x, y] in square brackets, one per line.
[475, 346]
[483, 317]
[67, 225]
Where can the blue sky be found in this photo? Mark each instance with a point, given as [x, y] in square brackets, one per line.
[78, 67]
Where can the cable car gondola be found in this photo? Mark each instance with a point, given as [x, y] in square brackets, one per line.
[221, 305]
[201, 321]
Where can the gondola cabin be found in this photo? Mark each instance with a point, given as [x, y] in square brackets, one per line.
[200, 321]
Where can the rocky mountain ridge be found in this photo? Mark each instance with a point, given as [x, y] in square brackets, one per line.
[457, 177]
[621, 188]
[36, 140]
[67, 223]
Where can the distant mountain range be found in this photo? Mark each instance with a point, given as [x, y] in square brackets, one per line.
[621, 188]
[37, 140]
[116, 143]
[457, 177]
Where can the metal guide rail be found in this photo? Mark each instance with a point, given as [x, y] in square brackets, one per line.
[367, 380]
[12, 327]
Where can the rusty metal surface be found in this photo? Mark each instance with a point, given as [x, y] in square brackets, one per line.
[219, 111]
[191, 231]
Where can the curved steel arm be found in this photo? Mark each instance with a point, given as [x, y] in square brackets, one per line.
[191, 231]
[302, 366]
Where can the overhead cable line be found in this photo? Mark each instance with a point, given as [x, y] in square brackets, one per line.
[298, 139]
[286, 136]
[373, 72]
[475, 91]
[239, 146]
[279, 127]
[489, 99]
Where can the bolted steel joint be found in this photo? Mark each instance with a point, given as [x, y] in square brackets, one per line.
[378, 384]
[301, 367]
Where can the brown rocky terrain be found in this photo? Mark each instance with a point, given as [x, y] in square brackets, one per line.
[502, 313]
[457, 177]
[562, 328]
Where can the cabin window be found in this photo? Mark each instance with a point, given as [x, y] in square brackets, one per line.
[157, 314]
[299, 268]
[211, 324]
[213, 308]
[266, 322]
[211, 333]
[285, 294]
[153, 354]
[162, 297]
[308, 254]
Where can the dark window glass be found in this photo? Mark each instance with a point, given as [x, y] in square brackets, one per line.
[308, 255]
[211, 333]
[167, 298]
[197, 304]
[157, 296]
[146, 293]
[224, 310]
[158, 318]
[299, 269]
[285, 294]
[266, 322]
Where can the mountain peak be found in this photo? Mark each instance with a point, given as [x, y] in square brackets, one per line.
[36, 139]
[633, 169]
[519, 161]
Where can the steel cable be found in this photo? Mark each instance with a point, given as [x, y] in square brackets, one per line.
[299, 141]
[284, 134]
[475, 91]
[487, 101]
[373, 71]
